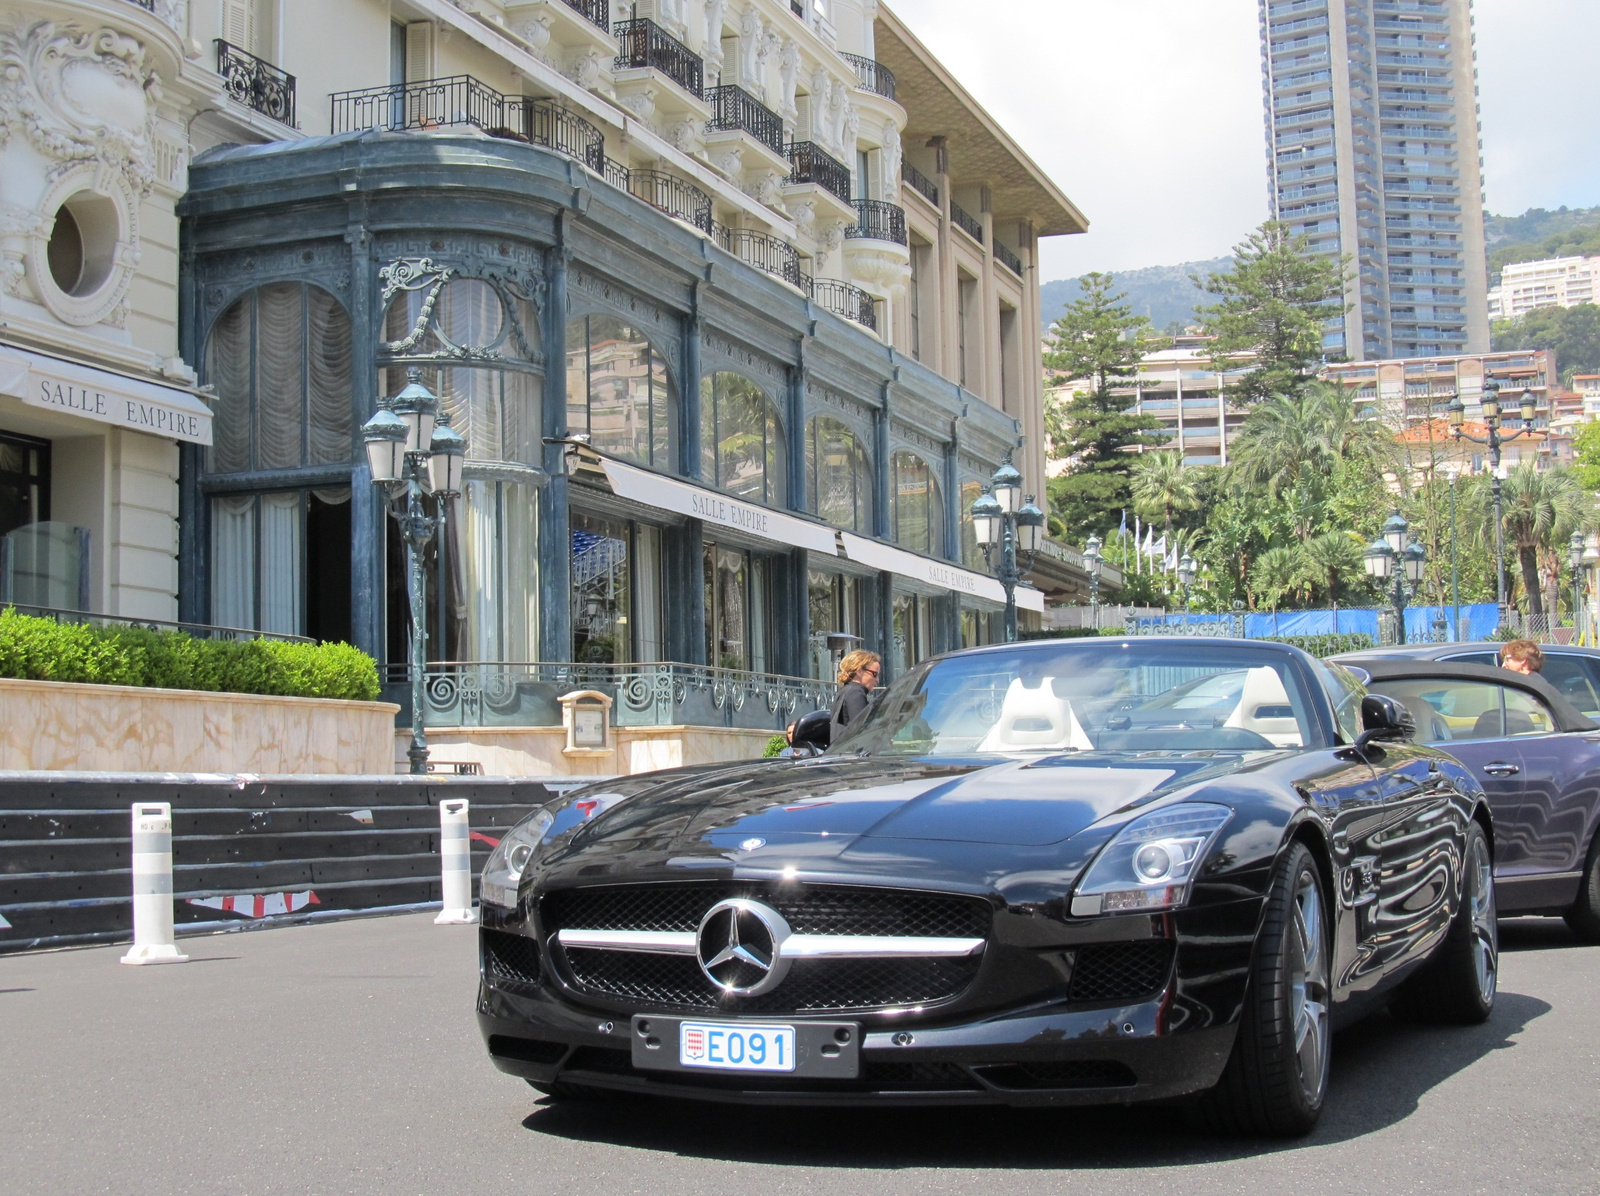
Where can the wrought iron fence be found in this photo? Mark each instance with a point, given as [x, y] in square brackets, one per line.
[874, 76]
[732, 107]
[843, 299]
[147, 5]
[810, 163]
[966, 222]
[421, 104]
[879, 220]
[507, 694]
[1227, 626]
[200, 631]
[256, 83]
[616, 173]
[597, 12]
[1009, 259]
[678, 199]
[764, 252]
[542, 123]
[920, 183]
[645, 44]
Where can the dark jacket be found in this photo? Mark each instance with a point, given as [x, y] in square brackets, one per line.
[850, 705]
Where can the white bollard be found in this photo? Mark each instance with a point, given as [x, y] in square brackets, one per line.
[153, 940]
[455, 853]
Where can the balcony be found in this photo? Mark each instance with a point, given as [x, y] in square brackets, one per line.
[733, 109]
[542, 123]
[920, 183]
[874, 76]
[810, 163]
[843, 299]
[644, 44]
[966, 222]
[1010, 260]
[766, 253]
[878, 221]
[256, 84]
[670, 194]
[596, 12]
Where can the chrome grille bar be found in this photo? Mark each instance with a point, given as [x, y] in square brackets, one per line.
[796, 946]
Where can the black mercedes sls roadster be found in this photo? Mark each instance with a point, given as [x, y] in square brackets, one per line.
[1061, 872]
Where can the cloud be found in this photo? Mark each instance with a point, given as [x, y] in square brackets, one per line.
[1148, 113]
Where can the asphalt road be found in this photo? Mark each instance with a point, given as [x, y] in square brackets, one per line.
[343, 1057]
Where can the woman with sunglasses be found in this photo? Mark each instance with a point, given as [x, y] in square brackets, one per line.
[858, 674]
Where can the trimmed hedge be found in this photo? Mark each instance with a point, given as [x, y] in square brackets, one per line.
[37, 649]
[1322, 646]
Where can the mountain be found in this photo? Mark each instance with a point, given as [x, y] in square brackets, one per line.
[1163, 293]
[1538, 234]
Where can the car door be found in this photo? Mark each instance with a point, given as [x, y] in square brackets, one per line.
[1561, 791]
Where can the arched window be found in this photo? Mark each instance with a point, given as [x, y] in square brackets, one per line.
[476, 356]
[838, 475]
[741, 439]
[971, 554]
[916, 511]
[618, 391]
[280, 359]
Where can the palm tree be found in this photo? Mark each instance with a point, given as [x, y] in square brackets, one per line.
[1164, 485]
[1277, 572]
[1541, 505]
[1329, 557]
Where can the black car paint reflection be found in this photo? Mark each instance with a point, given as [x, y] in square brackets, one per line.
[1015, 830]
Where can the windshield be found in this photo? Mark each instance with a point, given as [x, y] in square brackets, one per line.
[1095, 696]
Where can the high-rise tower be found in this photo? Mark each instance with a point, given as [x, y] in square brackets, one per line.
[1373, 152]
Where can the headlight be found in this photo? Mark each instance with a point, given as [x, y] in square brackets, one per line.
[1150, 862]
[507, 862]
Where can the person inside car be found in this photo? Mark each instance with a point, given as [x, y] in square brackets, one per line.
[1522, 656]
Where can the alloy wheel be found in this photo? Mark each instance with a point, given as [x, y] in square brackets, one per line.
[1479, 883]
[1308, 986]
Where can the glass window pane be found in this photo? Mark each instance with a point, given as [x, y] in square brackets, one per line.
[822, 599]
[647, 587]
[228, 370]
[280, 375]
[469, 313]
[1446, 710]
[492, 573]
[401, 320]
[777, 462]
[1571, 679]
[280, 568]
[758, 613]
[741, 432]
[601, 594]
[731, 626]
[971, 553]
[578, 375]
[1526, 715]
[330, 356]
[233, 560]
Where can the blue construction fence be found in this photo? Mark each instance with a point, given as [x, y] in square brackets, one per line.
[1477, 622]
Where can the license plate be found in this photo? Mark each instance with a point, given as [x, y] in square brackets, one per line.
[736, 1046]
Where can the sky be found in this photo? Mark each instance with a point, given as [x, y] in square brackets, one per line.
[1147, 113]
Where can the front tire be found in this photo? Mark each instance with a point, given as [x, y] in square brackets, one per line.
[1583, 916]
[1277, 1077]
[1457, 986]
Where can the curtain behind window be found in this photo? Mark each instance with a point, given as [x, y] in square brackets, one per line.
[233, 560]
[281, 563]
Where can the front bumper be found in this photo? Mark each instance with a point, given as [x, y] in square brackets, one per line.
[1041, 1051]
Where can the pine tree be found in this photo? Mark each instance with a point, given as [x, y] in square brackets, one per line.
[1276, 302]
[1098, 343]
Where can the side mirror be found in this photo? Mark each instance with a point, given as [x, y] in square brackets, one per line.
[1383, 718]
[813, 730]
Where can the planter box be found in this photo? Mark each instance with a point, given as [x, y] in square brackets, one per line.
[118, 728]
[538, 751]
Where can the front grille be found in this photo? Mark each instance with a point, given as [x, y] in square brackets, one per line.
[528, 1050]
[1104, 972]
[814, 909]
[1074, 1073]
[812, 985]
[509, 959]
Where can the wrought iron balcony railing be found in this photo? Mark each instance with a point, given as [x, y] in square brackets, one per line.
[966, 222]
[879, 220]
[147, 5]
[920, 183]
[512, 694]
[542, 123]
[810, 163]
[732, 107]
[616, 173]
[597, 12]
[843, 299]
[764, 252]
[421, 104]
[874, 76]
[644, 43]
[678, 199]
[1007, 258]
[256, 83]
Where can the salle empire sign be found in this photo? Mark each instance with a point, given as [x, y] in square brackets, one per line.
[953, 579]
[120, 409]
[729, 514]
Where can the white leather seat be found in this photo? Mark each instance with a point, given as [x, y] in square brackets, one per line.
[1034, 718]
[1264, 708]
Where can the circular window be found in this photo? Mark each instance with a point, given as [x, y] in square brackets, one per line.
[83, 244]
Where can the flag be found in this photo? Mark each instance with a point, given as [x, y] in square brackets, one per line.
[1122, 531]
[1159, 548]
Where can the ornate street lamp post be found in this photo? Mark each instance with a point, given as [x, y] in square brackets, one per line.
[1000, 517]
[1390, 557]
[1493, 420]
[410, 443]
[1186, 576]
[1094, 563]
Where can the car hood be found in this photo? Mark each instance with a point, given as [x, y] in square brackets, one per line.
[950, 820]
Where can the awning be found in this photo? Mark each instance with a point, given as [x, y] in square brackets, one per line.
[721, 510]
[935, 573]
[56, 385]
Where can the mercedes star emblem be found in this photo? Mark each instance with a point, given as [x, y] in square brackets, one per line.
[740, 946]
